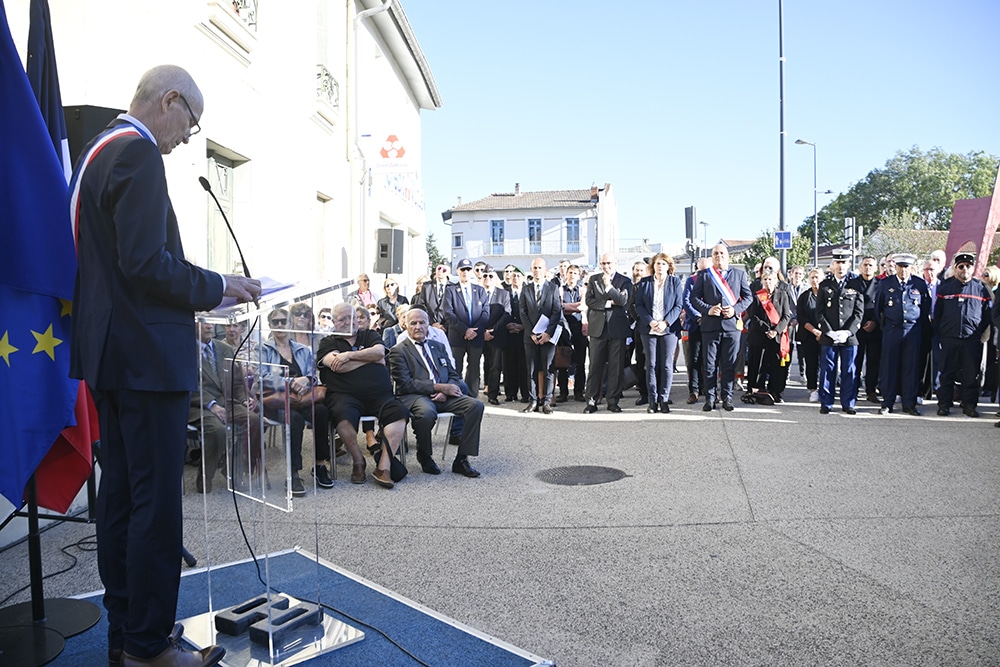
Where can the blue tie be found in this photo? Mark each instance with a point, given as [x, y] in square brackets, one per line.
[468, 303]
[430, 361]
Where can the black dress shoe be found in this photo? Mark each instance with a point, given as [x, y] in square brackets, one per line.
[651, 408]
[943, 411]
[590, 409]
[462, 467]
[579, 398]
[970, 411]
[509, 399]
[492, 401]
[823, 410]
[546, 409]
[530, 407]
[428, 465]
[850, 411]
[708, 407]
[912, 410]
[884, 410]
[872, 398]
[562, 398]
[664, 407]
[614, 407]
[727, 404]
[642, 400]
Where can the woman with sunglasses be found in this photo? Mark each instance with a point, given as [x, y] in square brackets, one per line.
[388, 304]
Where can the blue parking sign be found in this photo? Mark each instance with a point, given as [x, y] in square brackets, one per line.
[783, 240]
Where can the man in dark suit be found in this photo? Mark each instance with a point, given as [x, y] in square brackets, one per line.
[608, 326]
[540, 300]
[466, 312]
[428, 384]
[515, 366]
[721, 294]
[693, 355]
[496, 333]
[432, 296]
[222, 402]
[134, 342]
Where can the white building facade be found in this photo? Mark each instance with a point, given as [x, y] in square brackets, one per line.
[516, 227]
[311, 130]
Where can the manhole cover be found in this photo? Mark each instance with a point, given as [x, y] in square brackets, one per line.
[580, 475]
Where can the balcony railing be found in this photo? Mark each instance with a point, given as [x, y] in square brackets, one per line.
[527, 247]
[327, 88]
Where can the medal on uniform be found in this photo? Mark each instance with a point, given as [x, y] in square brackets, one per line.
[890, 303]
[829, 304]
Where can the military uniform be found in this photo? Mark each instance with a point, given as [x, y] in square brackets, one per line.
[961, 317]
[903, 310]
[839, 307]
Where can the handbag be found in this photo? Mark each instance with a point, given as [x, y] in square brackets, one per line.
[564, 357]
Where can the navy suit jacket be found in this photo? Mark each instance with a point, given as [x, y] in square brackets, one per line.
[614, 319]
[500, 315]
[434, 305]
[706, 294]
[456, 314]
[136, 295]
[531, 311]
[672, 303]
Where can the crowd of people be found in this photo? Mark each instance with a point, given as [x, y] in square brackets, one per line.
[543, 337]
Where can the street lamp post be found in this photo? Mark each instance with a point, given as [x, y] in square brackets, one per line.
[815, 209]
[704, 242]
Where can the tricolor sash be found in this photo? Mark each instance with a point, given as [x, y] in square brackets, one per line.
[720, 282]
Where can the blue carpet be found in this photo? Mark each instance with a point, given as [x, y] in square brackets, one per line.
[432, 638]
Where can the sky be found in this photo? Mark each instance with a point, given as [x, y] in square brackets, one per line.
[676, 103]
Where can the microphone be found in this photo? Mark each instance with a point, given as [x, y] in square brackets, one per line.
[208, 188]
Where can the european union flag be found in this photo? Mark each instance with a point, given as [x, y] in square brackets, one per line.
[37, 270]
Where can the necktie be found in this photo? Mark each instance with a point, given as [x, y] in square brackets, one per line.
[538, 293]
[430, 361]
[468, 303]
[209, 356]
[440, 290]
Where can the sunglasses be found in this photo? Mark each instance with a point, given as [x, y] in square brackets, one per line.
[390, 284]
[326, 317]
[283, 320]
[465, 268]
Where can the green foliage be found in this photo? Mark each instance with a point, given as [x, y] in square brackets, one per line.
[763, 247]
[434, 256]
[914, 190]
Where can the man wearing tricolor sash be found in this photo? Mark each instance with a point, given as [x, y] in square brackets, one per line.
[721, 294]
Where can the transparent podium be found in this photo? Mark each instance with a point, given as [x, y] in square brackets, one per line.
[257, 402]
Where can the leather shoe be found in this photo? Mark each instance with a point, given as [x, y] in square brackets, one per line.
[943, 411]
[358, 473]
[562, 398]
[727, 405]
[177, 656]
[492, 401]
[546, 409]
[912, 411]
[884, 410]
[382, 478]
[642, 400]
[850, 411]
[509, 399]
[970, 411]
[203, 486]
[692, 398]
[428, 465]
[664, 407]
[530, 407]
[824, 410]
[590, 409]
[708, 407]
[651, 409]
[579, 398]
[614, 407]
[872, 398]
[462, 467]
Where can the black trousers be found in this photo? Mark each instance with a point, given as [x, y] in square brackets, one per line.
[610, 351]
[960, 359]
[139, 521]
[515, 369]
[869, 355]
[693, 355]
[493, 365]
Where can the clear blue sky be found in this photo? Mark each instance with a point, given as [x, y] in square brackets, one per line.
[675, 103]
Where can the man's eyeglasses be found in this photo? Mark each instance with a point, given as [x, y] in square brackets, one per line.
[279, 322]
[195, 127]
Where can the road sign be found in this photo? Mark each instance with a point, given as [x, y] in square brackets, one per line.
[783, 240]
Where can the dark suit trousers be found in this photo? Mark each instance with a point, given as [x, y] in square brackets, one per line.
[139, 514]
[870, 356]
[493, 362]
[424, 412]
[719, 349]
[539, 359]
[610, 351]
[515, 369]
[693, 356]
[960, 360]
[475, 356]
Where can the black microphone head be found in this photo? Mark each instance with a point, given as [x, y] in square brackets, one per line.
[205, 184]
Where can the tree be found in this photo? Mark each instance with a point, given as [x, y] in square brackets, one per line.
[434, 256]
[763, 247]
[914, 190]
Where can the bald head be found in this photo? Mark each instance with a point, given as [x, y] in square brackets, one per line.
[168, 102]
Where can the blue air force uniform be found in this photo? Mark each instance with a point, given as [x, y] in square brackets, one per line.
[903, 309]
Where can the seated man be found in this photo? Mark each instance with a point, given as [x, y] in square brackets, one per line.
[303, 398]
[427, 383]
[223, 397]
[352, 367]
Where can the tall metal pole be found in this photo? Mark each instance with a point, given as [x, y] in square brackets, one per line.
[815, 215]
[781, 77]
[705, 237]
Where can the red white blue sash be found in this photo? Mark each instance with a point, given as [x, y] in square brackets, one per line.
[74, 184]
[720, 282]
